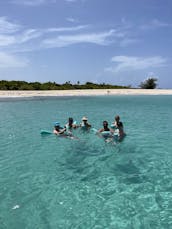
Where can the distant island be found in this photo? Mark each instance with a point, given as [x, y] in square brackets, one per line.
[149, 83]
[23, 85]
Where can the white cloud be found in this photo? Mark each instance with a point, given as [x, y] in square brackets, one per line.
[7, 27]
[11, 61]
[154, 24]
[29, 35]
[126, 63]
[6, 40]
[70, 19]
[65, 29]
[17, 38]
[12, 35]
[62, 41]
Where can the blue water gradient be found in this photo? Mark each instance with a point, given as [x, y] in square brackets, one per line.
[49, 182]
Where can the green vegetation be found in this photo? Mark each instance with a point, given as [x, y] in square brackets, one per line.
[23, 85]
[150, 83]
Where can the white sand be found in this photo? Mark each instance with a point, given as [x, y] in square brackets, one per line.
[87, 92]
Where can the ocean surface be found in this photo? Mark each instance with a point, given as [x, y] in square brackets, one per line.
[50, 182]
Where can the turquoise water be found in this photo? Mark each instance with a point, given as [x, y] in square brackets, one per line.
[51, 182]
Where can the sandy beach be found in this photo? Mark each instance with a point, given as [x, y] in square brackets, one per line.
[87, 92]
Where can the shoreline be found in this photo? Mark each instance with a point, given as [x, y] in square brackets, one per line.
[83, 92]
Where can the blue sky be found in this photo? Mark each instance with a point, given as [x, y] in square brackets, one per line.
[121, 42]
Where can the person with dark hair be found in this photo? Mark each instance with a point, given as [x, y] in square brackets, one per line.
[105, 127]
[71, 124]
[106, 132]
[117, 125]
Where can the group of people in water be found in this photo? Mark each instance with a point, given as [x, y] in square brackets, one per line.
[116, 128]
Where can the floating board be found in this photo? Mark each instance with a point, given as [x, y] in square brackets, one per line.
[94, 130]
[46, 132]
[104, 133]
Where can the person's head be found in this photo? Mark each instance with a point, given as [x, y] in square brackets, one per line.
[85, 119]
[56, 125]
[105, 123]
[117, 118]
[70, 121]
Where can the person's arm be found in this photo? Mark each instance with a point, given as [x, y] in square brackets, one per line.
[112, 131]
[116, 124]
[62, 130]
[88, 124]
[55, 132]
[99, 133]
[100, 130]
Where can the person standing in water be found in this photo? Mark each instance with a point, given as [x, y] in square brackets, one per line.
[118, 125]
[106, 132]
[105, 127]
[71, 124]
[84, 124]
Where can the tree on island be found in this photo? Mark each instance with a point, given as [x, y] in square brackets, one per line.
[23, 85]
[150, 83]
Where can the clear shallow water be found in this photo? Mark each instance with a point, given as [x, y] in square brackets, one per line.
[50, 182]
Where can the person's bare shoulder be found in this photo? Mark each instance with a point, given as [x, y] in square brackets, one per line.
[100, 130]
